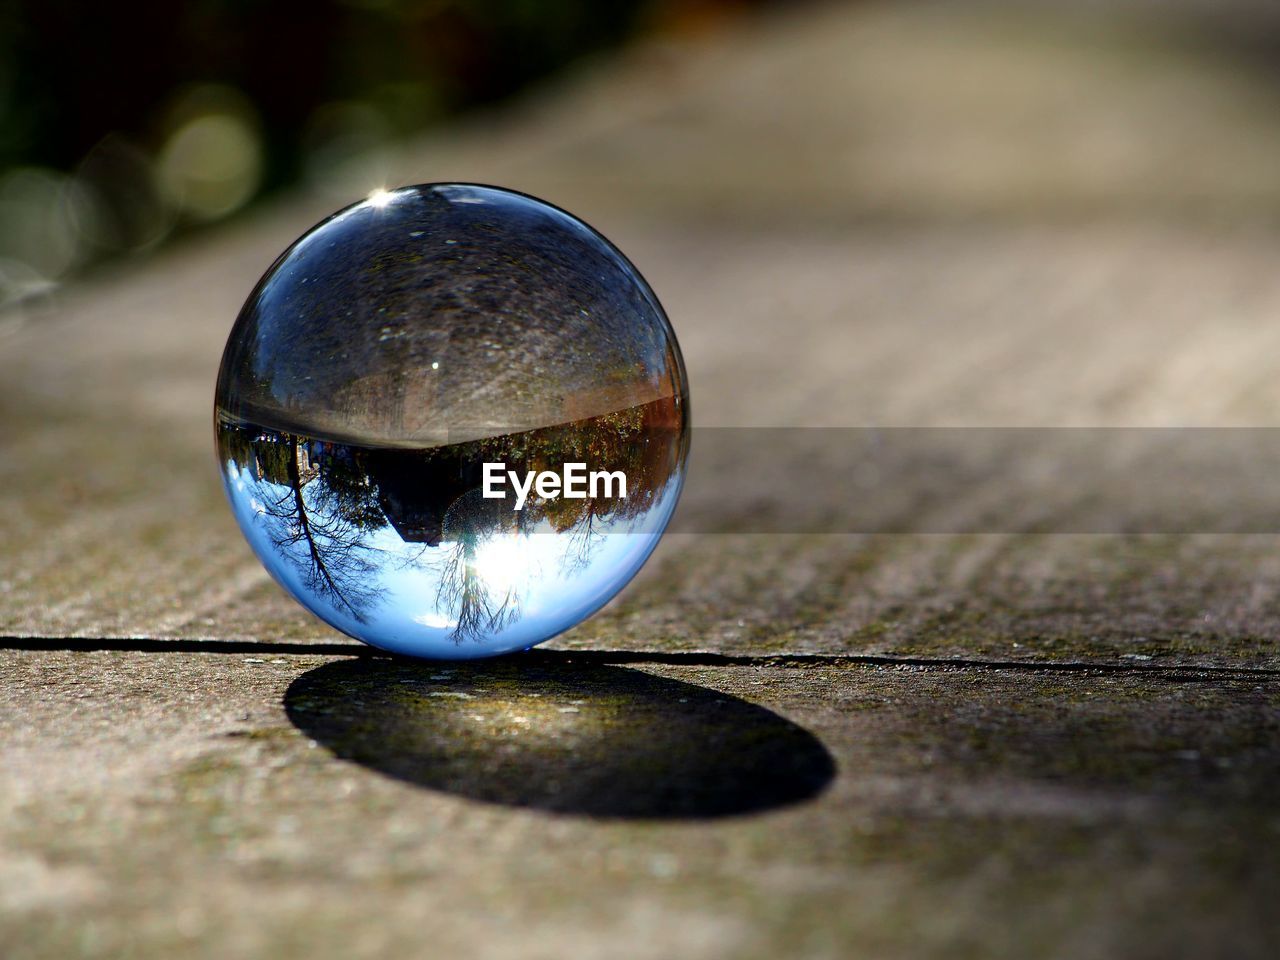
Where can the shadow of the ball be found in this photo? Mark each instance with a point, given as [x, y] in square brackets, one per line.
[563, 736]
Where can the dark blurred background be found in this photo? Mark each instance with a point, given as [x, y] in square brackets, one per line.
[121, 125]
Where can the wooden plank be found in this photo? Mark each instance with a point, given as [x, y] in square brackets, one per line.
[995, 743]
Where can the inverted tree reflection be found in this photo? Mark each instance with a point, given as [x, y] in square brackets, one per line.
[347, 519]
[319, 520]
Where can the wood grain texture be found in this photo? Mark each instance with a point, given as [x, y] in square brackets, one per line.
[895, 215]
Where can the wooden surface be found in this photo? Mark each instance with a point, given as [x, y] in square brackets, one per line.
[906, 744]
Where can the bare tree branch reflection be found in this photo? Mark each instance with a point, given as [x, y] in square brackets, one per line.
[478, 609]
[325, 506]
[320, 520]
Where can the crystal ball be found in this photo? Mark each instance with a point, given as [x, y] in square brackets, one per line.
[452, 421]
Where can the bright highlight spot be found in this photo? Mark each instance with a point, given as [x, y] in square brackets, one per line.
[502, 562]
[437, 620]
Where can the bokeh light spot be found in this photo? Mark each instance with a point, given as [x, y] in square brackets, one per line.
[212, 165]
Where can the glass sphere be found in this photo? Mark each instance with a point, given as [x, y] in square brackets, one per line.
[452, 421]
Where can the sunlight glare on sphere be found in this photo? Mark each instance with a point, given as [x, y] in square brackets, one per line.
[452, 420]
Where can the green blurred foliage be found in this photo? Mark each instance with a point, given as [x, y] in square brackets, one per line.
[120, 124]
[73, 72]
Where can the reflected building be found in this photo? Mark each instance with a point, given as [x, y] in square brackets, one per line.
[403, 541]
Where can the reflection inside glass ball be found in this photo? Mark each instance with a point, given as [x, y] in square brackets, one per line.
[398, 348]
